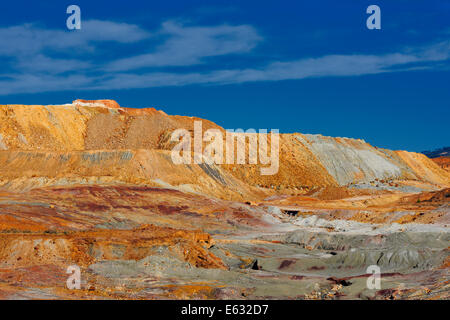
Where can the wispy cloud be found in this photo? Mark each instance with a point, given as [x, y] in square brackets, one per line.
[31, 38]
[42, 64]
[31, 83]
[188, 45]
[30, 45]
[34, 55]
[326, 66]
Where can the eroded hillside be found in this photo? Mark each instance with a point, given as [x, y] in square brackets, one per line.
[93, 184]
[99, 139]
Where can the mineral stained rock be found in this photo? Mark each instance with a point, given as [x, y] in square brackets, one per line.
[92, 184]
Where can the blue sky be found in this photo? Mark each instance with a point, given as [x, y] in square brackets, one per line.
[297, 66]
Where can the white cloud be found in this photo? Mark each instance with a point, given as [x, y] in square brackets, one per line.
[326, 66]
[187, 46]
[30, 50]
[30, 83]
[41, 64]
[29, 38]
[27, 43]
[98, 30]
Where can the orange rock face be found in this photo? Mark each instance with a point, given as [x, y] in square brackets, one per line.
[425, 168]
[443, 162]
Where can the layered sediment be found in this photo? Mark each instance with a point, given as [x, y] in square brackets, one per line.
[93, 184]
[105, 131]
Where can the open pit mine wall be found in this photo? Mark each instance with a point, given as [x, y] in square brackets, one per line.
[101, 142]
[355, 161]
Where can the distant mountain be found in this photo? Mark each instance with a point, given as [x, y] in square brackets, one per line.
[443, 152]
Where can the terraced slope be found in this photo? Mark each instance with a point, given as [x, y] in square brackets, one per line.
[102, 128]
